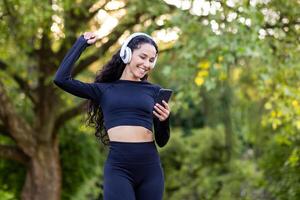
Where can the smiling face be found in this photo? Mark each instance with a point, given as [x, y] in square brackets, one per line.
[141, 63]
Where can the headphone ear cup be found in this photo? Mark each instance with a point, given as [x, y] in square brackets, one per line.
[154, 62]
[128, 55]
[123, 56]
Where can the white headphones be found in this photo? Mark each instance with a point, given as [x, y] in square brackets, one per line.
[126, 53]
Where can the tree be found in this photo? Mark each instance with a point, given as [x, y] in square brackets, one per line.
[37, 42]
[243, 59]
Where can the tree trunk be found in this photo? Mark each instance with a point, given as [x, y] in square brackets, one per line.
[226, 110]
[43, 179]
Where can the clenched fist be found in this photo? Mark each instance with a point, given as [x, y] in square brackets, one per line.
[91, 37]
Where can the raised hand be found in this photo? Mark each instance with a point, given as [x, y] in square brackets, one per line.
[91, 37]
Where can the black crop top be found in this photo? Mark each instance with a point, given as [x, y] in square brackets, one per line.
[123, 102]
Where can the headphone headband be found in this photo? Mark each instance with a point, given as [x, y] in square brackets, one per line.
[125, 52]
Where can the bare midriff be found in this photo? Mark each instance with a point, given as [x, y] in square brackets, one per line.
[130, 134]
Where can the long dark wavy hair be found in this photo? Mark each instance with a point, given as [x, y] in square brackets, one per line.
[110, 72]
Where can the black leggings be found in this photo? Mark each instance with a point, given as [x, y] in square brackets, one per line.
[133, 171]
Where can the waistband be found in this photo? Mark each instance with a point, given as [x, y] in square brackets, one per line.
[133, 152]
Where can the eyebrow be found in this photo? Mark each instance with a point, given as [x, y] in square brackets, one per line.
[147, 55]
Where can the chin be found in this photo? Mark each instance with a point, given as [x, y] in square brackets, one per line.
[140, 76]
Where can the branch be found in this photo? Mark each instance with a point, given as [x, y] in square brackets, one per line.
[3, 15]
[25, 88]
[13, 153]
[72, 28]
[21, 82]
[83, 64]
[168, 50]
[84, 16]
[8, 9]
[68, 114]
[79, 17]
[19, 129]
[4, 131]
[12, 19]
[115, 34]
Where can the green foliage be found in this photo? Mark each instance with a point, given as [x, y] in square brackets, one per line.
[12, 175]
[11, 180]
[281, 172]
[195, 168]
[82, 161]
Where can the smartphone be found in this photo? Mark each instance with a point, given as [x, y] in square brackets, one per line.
[163, 94]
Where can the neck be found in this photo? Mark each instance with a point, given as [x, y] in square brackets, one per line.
[127, 75]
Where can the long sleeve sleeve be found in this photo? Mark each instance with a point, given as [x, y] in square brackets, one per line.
[63, 77]
[161, 131]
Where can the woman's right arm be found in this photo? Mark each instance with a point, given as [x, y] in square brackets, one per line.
[63, 77]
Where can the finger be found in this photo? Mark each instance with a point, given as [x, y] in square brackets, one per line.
[160, 106]
[92, 35]
[89, 35]
[159, 109]
[86, 35]
[91, 41]
[162, 113]
[157, 115]
[166, 105]
[160, 117]
[162, 110]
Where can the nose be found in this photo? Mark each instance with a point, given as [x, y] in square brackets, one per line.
[147, 64]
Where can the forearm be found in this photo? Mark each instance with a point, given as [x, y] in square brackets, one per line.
[161, 131]
[63, 73]
[63, 77]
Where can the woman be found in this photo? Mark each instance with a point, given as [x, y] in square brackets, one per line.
[122, 108]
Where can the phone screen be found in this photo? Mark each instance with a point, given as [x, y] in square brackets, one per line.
[164, 94]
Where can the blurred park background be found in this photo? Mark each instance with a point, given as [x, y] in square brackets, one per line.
[235, 122]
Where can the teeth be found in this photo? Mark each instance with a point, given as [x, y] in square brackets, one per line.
[142, 70]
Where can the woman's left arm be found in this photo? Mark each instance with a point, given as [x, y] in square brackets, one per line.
[161, 123]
